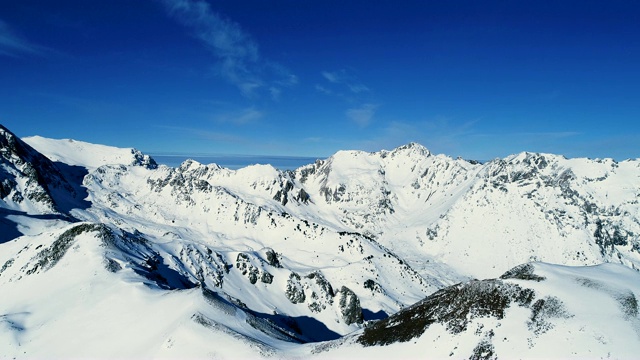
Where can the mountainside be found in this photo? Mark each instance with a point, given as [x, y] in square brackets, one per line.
[267, 260]
[535, 310]
[483, 218]
[28, 180]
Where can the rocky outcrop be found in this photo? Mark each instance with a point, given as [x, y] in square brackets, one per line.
[350, 306]
[27, 178]
[454, 307]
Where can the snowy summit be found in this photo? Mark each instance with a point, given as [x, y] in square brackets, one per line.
[395, 253]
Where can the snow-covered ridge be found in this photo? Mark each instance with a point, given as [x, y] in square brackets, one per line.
[539, 206]
[535, 310]
[90, 156]
[290, 256]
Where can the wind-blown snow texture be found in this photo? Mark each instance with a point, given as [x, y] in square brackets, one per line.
[101, 246]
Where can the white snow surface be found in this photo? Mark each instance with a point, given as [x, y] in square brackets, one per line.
[203, 261]
[80, 153]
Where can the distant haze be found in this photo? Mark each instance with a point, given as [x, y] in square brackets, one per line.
[237, 161]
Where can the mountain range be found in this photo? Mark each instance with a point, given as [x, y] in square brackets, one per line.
[105, 253]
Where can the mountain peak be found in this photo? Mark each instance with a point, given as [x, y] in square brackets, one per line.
[412, 148]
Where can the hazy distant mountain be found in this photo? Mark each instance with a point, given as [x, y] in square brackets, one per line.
[101, 246]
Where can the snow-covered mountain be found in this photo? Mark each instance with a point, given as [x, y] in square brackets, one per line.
[177, 261]
[483, 218]
[535, 310]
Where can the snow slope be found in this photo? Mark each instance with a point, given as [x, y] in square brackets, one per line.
[70, 303]
[536, 310]
[90, 156]
[264, 259]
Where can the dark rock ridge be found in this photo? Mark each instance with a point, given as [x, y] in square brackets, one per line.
[453, 307]
[28, 176]
[456, 306]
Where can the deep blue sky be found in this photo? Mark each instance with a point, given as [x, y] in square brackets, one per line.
[477, 79]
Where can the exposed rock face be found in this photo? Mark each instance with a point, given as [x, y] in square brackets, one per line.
[273, 258]
[28, 178]
[535, 303]
[295, 291]
[253, 272]
[144, 160]
[321, 292]
[454, 307]
[207, 266]
[350, 306]
[50, 256]
[523, 272]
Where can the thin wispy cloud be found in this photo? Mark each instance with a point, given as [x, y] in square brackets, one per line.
[242, 117]
[324, 90]
[343, 85]
[357, 88]
[362, 115]
[342, 77]
[284, 76]
[446, 127]
[14, 45]
[275, 93]
[331, 77]
[239, 59]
